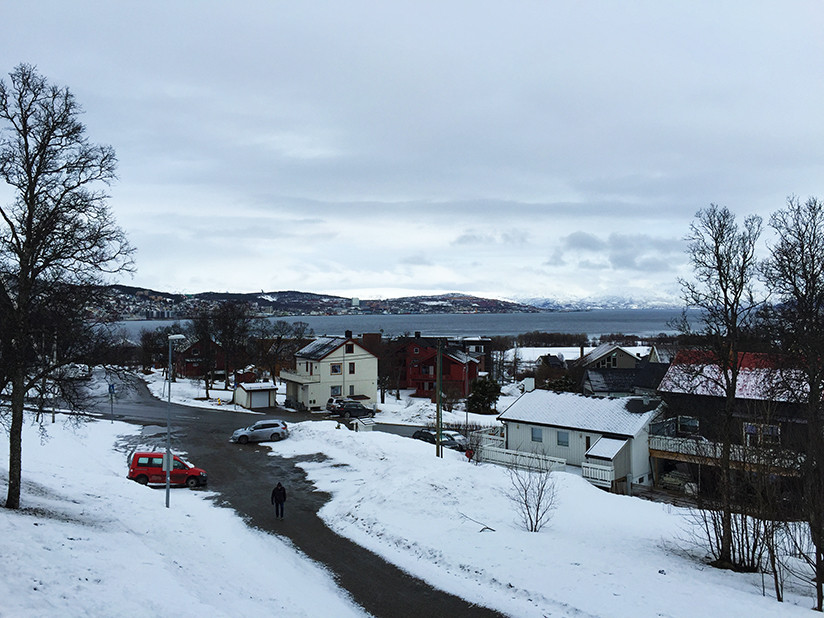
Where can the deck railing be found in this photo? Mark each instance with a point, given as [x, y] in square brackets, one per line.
[299, 377]
[519, 459]
[703, 449]
[597, 474]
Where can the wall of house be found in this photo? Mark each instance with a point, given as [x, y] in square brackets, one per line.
[363, 382]
[519, 437]
[640, 458]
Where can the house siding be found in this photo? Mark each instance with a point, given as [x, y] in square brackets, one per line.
[519, 438]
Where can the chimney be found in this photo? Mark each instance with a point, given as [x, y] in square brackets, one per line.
[348, 334]
[417, 334]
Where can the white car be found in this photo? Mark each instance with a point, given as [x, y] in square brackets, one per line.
[261, 431]
[457, 437]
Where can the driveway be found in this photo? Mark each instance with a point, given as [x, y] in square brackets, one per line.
[243, 477]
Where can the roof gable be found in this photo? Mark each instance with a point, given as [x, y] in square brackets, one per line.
[605, 349]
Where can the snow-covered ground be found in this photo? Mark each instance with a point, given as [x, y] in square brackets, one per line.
[406, 410]
[89, 542]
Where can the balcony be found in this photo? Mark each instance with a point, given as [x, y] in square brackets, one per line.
[700, 450]
[300, 378]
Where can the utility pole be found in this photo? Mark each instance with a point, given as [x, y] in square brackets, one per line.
[438, 386]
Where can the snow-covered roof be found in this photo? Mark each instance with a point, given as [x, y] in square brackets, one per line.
[606, 448]
[625, 417]
[759, 378]
[607, 348]
[462, 357]
[257, 386]
[321, 347]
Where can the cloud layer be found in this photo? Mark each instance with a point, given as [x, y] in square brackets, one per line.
[504, 149]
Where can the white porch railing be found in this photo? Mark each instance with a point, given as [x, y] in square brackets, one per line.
[494, 436]
[519, 459]
[599, 475]
[291, 376]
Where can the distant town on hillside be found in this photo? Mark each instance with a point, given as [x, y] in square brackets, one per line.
[132, 303]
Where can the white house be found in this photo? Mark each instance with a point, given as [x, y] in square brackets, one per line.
[331, 367]
[607, 438]
[255, 395]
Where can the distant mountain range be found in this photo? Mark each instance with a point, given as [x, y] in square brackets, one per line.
[132, 302]
[600, 302]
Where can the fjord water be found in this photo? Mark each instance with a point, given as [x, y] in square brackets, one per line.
[642, 322]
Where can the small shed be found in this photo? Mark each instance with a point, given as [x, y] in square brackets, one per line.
[255, 395]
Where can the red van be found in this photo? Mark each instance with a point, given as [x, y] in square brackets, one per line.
[148, 468]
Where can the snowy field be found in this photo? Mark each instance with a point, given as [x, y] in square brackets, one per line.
[600, 555]
[89, 542]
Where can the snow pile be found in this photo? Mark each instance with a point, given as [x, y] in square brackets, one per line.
[89, 542]
[601, 554]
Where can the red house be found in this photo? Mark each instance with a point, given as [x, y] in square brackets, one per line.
[193, 359]
[458, 368]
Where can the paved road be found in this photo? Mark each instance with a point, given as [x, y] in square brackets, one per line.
[243, 477]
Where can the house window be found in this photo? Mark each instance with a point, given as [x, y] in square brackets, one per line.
[688, 425]
[334, 391]
[758, 434]
[610, 362]
[351, 390]
[416, 350]
[537, 434]
[351, 369]
[350, 348]
[335, 369]
[563, 438]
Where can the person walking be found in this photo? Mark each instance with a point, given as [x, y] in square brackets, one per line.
[278, 498]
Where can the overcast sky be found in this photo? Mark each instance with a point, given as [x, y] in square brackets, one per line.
[373, 149]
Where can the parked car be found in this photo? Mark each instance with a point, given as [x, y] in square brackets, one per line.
[333, 404]
[457, 437]
[353, 409]
[429, 435]
[147, 467]
[261, 431]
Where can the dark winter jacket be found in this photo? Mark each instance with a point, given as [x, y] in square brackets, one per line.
[279, 494]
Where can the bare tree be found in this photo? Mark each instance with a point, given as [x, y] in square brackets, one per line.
[532, 492]
[57, 234]
[724, 266]
[277, 343]
[233, 327]
[794, 272]
[202, 331]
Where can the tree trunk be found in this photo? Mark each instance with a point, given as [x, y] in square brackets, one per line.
[725, 553]
[16, 439]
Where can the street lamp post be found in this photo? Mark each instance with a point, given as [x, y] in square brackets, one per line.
[168, 459]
